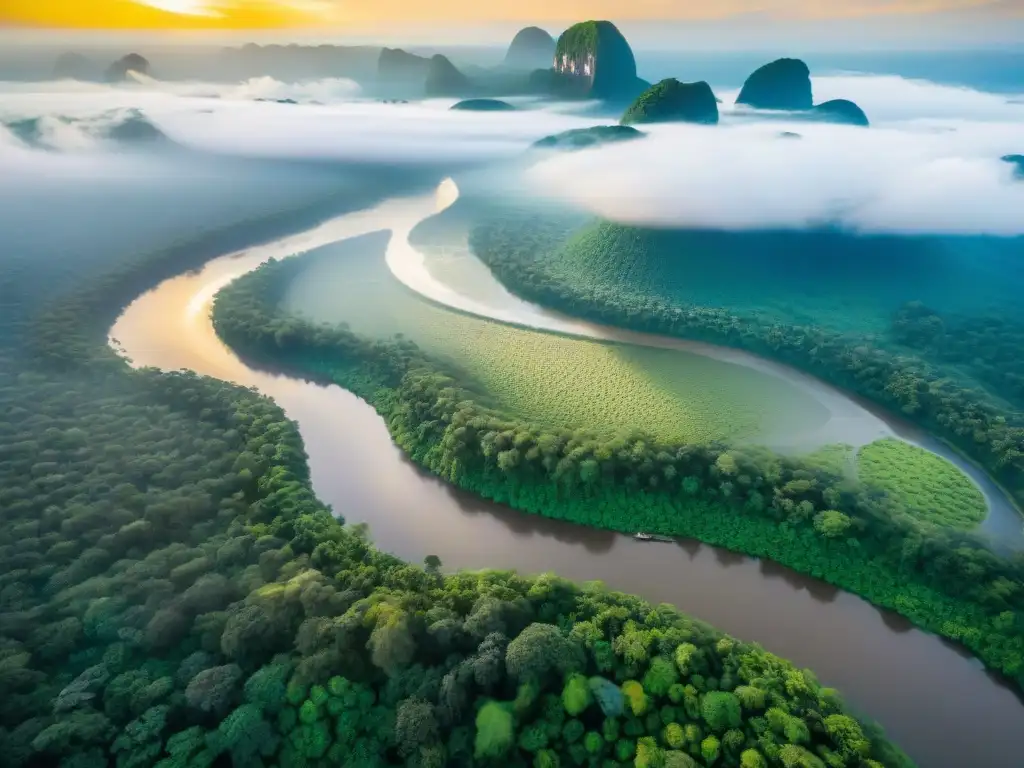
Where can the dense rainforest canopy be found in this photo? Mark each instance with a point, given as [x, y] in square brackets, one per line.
[801, 512]
[521, 257]
[173, 594]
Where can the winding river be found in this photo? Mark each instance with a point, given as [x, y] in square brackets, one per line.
[936, 701]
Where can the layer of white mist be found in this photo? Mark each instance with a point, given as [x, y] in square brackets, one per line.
[329, 122]
[70, 190]
[929, 163]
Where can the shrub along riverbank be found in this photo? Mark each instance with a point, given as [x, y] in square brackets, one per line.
[992, 434]
[802, 513]
[172, 594]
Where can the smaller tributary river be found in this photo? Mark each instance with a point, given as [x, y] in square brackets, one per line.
[934, 700]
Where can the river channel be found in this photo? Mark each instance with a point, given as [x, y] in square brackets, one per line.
[934, 700]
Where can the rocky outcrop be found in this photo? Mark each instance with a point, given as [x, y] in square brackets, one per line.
[133, 62]
[531, 48]
[593, 60]
[783, 84]
[444, 79]
[581, 138]
[673, 101]
[75, 66]
[401, 70]
[1017, 161]
[136, 129]
[841, 111]
[483, 105]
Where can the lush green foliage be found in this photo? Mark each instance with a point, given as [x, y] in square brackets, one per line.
[483, 105]
[581, 138]
[554, 380]
[800, 513]
[910, 377]
[925, 484]
[172, 594]
[673, 101]
[593, 59]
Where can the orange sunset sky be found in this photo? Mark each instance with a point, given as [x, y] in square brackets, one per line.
[353, 14]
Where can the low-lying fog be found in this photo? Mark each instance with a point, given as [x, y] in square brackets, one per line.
[95, 166]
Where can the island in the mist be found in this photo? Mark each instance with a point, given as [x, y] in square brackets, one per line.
[532, 48]
[483, 105]
[785, 85]
[594, 60]
[673, 101]
[584, 138]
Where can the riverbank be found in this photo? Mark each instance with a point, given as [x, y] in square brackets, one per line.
[441, 268]
[971, 420]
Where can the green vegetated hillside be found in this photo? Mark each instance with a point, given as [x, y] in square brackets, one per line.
[581, 138]
[805, 513]
[673, 101]
[483, 105]
[173, 594]
[838, 306]
[594, 60]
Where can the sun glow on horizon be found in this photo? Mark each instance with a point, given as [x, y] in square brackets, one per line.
[166, 14]
[270, 14]
[185, 7]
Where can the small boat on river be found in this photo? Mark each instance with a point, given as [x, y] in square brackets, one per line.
[641, 536]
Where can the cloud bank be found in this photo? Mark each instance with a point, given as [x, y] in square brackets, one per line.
[329, 122]
[930, 163]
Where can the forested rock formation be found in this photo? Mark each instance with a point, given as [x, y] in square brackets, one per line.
[673, 101]
[483, 105]
[593, 60]
[1018, 162]
[444, 79]
[402, 71]
[75, 66]
[581, 138]
[133, 62]
[136, 129]
[532, 48]
[841, 111]
[783, 84]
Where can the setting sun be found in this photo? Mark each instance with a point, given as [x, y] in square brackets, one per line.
[190, 7]
[162, 14]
